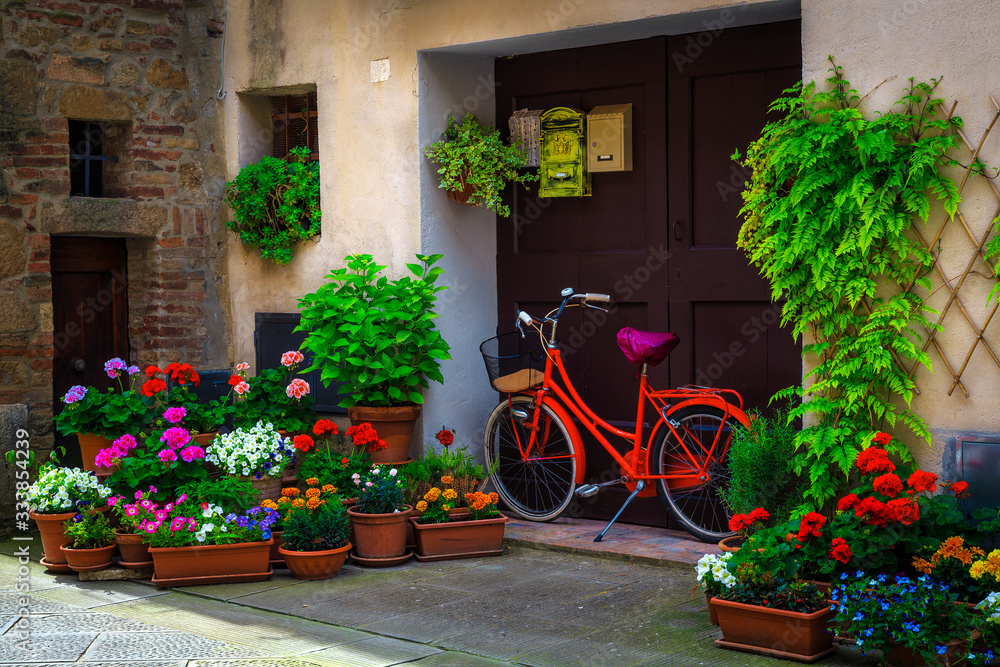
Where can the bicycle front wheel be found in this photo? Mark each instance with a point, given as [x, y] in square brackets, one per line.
[539, 484]
[694, 495]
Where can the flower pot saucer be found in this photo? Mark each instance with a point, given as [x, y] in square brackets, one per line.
[467, 554]
[237, 578]
[392, 463]
[278, 564]
[138, 565]
[56, 568]
[90, 568]
[775, 653]
[380, 562]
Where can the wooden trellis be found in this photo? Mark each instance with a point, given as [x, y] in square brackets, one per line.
[954, 284]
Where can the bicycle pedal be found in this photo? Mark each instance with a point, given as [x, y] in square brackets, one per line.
[587, 490]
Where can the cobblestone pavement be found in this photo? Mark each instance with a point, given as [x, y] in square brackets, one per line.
[527, 607]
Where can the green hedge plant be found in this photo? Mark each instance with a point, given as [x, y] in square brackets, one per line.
[275, 204]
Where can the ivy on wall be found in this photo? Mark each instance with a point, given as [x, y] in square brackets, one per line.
[827, 214]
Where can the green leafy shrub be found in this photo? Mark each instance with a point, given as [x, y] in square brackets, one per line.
[760, 468]
[475, 155]
[275, 204]
[324, 528]
[89, 530]
[829, 217]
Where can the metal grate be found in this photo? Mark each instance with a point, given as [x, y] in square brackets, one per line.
[976, 263]
[294, 123]
[86, 158]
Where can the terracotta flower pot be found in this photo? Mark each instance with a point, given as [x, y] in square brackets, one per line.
[268, 487]
[732, 543]
[90, 446]
[191, 563]
[903, 656]
[203, 440]
[459, 538]
[277, 560]
[88, 560]
[394, 425]
[775, 632]
[312, 565]
[50, 526]
[133, 551]
[379, 535]
[713, 615]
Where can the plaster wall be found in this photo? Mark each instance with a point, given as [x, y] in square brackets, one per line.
[885, 43]
[379, 195]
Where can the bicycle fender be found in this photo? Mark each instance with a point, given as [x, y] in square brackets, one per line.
[720, 403]
[574, 434]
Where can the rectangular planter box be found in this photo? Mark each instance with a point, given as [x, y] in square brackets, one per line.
[459, 539]
[174, 563]
[775, 632]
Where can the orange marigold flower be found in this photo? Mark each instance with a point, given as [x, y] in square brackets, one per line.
[447, 479]
[922, 566]
[298, 502]
[329, 488]
[283, 500]
[269, 504]
[290, 491]
[450, 494]
[312, 503]
[421, 505]
[313, 492]
[494, 497]
[433, 494]
[312, 481]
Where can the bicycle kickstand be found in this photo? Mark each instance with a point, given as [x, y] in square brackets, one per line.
[640, 485]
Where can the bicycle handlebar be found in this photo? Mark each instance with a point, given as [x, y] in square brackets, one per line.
[587, 299]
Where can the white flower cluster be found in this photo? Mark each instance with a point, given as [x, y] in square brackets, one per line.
[992, 606]
[249, 451]
[60, 489]
[214, 514]
[716, 565]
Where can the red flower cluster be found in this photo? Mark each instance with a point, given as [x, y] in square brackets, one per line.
[234, 380]
[365, 436]
[960, 489]
[152, 371]
[183, 374]
[445, 437]
[153, 386]
[874, 460]
[742, 521]
[325, 427]
[840, 552]
[303, 442]
[882, 439]
[888, 485]
[811, 526]
[904, 510]
[921, 481]
[872, 511]
[847, 502]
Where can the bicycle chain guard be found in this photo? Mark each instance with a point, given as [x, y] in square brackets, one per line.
[641, 468]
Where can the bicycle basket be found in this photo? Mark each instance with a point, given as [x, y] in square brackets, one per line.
[511, 363]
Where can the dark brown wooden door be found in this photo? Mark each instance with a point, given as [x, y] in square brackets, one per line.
[89, 317]
[634, 242]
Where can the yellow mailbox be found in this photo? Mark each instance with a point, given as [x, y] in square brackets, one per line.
[564, 162]
[609, 138]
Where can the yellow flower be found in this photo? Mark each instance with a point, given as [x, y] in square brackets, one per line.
[450, 494]
[421, 505]
[446, 507]
[283, 500]
[432, 495]
[269, 504]
[329, 488]
[290, 491]
[298, 502]
[312, 481]
[312, 503]
[447, 479]
[313, 493]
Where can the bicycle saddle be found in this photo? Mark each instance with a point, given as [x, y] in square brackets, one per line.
[646, 347]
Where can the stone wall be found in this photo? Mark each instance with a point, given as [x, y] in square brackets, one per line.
[149, 69]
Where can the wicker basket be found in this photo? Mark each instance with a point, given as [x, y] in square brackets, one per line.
[511, 364]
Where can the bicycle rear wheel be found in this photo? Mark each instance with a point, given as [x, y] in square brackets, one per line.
[540, 486]
[694, 497]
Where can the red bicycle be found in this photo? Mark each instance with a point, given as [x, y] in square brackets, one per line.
[533, 446]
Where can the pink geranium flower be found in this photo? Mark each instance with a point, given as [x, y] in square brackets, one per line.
[241, 388]
[297, 389]
[192, 453]
[175, 437]
[175, 415]
[168, 455]
[289, 359]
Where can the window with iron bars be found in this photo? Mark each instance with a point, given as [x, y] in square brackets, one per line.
[87, 158]
[294, 123]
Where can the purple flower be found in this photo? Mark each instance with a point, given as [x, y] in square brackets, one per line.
[175, 415]
[75, 393]
[152, 489]
[133, 370]
[112, 366]
[241, 522]
[192, 453]
[175, 437]
[168, 455]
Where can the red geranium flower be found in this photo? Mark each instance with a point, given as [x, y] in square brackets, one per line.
[922, 481]
[325, 426]
[872, 511]
[234, 380]
[888, 485]
[152, 371]
[303, 442]
[904, 510]
[840, 552]
[811, 526]
[362, 435]
[445, 437]
[847, 502]
[882, 439]
[874, 460]
[960, 489]
[183, 374]
[153, 386]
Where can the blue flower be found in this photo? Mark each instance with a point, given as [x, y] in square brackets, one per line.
[258, 475]
[241, 521]
[78, 518]
[230, 517]
[858, 617]
[267, 534]
[254, 511]
[942, 650]
[869, 632]
[859, 641]
[843, 576]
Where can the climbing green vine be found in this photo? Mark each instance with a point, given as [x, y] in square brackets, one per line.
[828, 212]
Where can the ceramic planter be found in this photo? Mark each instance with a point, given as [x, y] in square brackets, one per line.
[731, 543]
[459, 538]
[88, 560]
[219, 563]
[90, 446]
[312, 565]
[379, 535]
[394, 425]
[133, 551]
[775, 632]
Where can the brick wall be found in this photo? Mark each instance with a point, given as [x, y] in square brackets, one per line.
[148, 71]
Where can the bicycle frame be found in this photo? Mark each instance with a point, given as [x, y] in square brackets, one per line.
[561, 400]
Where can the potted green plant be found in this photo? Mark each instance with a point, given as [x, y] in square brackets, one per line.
[441, 534]
[378, 520]
[453, 461]
[476, 164]
[56, 496]
[258, 454]
[377, 338]
[713, 577]
[275, 396]
[275, 204]
[91, 542]
[316, 538]
[329, 461]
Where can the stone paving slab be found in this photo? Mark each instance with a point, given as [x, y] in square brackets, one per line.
[375, 652]
[92, 594]
[141, 647]
[86, 622]
[45, 648]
